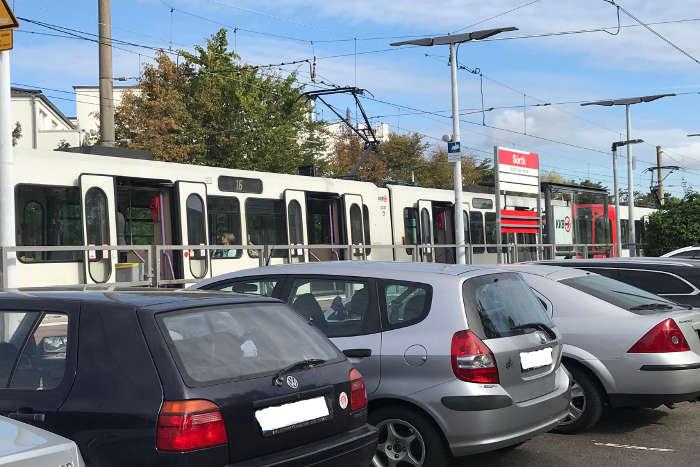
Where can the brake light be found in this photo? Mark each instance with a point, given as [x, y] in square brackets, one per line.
[358, 391]
[189, 425]
[472, 360]
[662, 338]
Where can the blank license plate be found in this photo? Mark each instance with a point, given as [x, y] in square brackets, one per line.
[536, 359]
[285, 417]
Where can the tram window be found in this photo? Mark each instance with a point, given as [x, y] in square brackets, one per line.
[476, 222]
[296, 229]
[602, 230]
[365, 227]
[425, 227]
[482, 203]
[491, 232]
[96, 217]
[410, 225]
[639, 232]
[356, 226]
[266, 224]
[49, 216]
[625, 233]
[467, 234]
[224, 225]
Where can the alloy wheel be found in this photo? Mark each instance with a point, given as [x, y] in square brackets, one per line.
[577, 406]
[400, 444]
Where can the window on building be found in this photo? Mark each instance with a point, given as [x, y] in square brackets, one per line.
[48, 216]
[224, 225]
[266, 224]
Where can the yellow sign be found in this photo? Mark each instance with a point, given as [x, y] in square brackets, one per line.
[6, 42]
[7, 17]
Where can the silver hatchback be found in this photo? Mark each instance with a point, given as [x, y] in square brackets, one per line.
[457, 359]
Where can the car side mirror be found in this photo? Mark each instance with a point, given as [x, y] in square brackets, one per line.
[54, 344]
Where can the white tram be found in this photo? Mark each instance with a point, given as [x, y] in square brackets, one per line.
[74, 199]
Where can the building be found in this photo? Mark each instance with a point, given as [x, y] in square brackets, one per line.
[337, 130]
[87, 105]
[41, 124]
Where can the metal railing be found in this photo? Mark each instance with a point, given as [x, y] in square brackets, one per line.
[167, 265]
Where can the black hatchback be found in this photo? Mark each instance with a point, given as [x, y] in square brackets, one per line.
[151, 378]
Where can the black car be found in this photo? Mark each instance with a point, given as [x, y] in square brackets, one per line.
[151, 378]
[676, 279]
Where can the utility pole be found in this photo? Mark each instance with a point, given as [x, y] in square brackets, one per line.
[7, 187]
[459, 195]
[630, 190]
[659, 174]
[106, 76]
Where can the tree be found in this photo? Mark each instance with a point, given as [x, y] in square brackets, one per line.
[347, 150]
[210, 109]
[674, 226]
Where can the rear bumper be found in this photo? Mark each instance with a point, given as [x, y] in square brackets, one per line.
[351, 449]
[651, 400]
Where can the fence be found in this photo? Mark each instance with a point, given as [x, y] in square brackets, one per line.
[154, 261]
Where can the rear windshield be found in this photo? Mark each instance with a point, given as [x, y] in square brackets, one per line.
[620, 294]
[504, 305]
[240, 341]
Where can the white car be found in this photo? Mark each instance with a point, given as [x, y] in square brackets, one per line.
[23, 445]
[688, 252]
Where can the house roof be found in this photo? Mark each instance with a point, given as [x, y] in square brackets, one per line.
[24, 92]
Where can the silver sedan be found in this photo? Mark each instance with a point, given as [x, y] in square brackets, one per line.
[623, 346]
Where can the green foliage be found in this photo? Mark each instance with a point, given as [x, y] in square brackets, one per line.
[674, 226]
[16, 133]
[212, 110]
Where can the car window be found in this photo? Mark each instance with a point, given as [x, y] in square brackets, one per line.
[620, 294]
[338, 307]
[263, 287]
[405, 303]
[32, 357]
[690, 254]
[503, 304]
[241, 341]
[655, 282]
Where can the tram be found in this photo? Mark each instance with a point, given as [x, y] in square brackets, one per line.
[76, 199]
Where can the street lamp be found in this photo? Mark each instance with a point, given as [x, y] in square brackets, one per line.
[615, 145]
[630, 176]
[452, 41]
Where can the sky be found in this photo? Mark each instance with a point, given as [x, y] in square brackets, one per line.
[409, 87]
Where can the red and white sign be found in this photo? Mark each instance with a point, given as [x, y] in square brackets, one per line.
[518, 171]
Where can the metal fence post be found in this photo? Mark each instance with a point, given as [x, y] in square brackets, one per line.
[157, 252]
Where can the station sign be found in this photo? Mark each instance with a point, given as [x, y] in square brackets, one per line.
[563, 225]
[517, 171]
[8, 22]
[454, 151]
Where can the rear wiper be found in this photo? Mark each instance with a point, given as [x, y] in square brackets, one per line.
[537, 327]
[300, 365]
[651, 306]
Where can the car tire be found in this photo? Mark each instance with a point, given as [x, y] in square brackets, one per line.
[414, 434]
[586, 406]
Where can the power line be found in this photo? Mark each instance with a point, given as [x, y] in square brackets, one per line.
[657, 34]
[496, 16]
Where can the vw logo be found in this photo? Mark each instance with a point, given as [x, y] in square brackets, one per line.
[292, 382]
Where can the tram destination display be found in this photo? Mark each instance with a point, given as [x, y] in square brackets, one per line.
[240, 184]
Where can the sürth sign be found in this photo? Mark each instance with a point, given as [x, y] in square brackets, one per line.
[518, 171]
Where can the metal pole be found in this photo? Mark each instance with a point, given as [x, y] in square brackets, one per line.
[630, 188]
[618, 247]
[7, 187]
[459, 217]
[659, 174]
[106, 76]
[497, 190]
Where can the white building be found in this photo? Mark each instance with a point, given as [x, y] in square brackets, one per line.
[87, 105]
[336, 130]
[42, 124]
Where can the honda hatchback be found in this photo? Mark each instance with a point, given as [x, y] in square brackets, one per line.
[181, 379]
[457, 359]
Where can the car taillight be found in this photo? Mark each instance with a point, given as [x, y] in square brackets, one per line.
[189, 425]
[472, 360]
[358, 391]
[662, 338]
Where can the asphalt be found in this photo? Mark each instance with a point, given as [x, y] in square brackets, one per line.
[639, 437]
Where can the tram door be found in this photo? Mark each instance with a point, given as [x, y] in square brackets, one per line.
[296, 220]
[354, 223]
[425, 223]
[99, 227]
[193, 228]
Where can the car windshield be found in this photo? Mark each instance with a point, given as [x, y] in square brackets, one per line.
[506, 306]
[241, 341]
[620, 294]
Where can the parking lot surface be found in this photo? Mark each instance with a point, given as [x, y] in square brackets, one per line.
[642, 437]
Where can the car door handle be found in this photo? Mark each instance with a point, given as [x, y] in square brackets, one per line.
[28, 416]
[357, 353]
